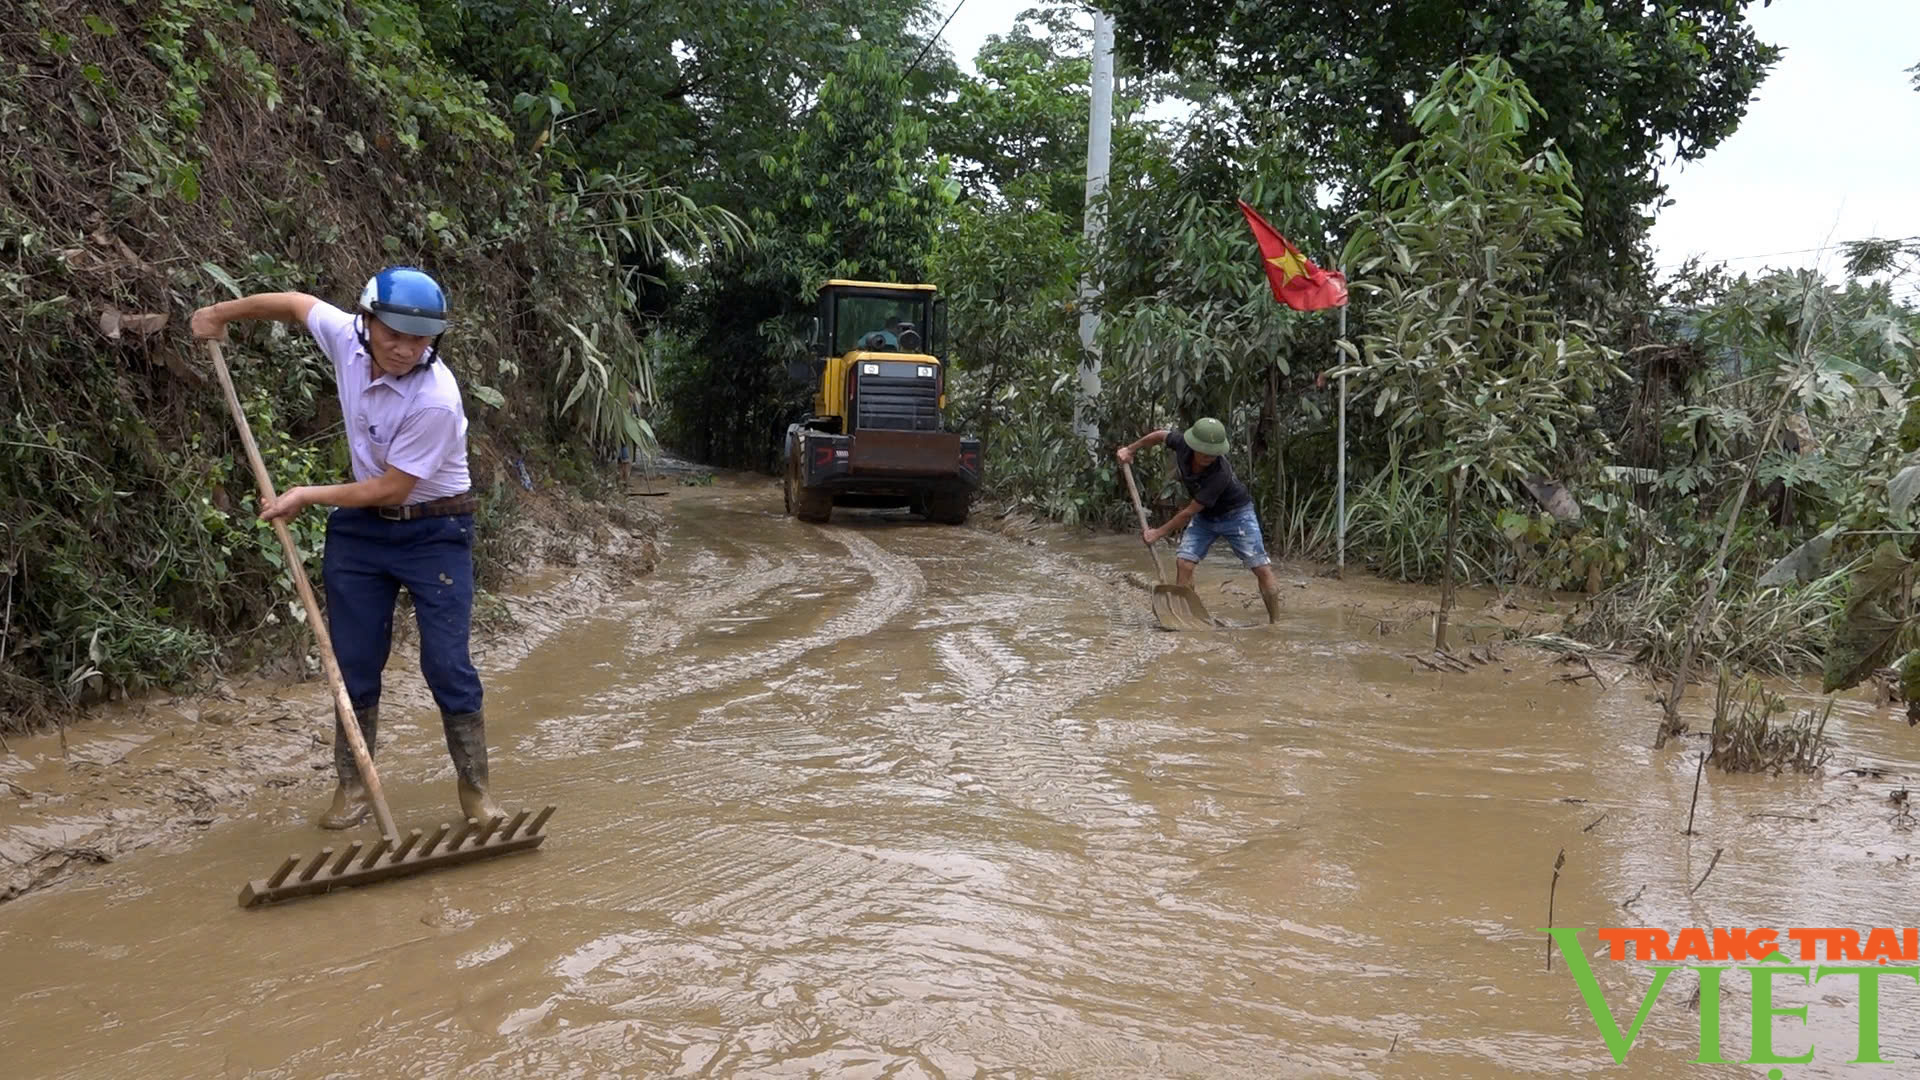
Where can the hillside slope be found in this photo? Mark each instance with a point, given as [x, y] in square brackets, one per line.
[166, 155]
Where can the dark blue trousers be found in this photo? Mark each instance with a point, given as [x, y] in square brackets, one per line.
[367, 559]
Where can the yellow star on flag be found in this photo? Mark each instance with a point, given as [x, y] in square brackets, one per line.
[1288, 264]
[1296, 282]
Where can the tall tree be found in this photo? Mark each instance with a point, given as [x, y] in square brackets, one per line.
[691, 93]
[854, 193]
[1621, 83]
[1479, 377]
[1024, 120]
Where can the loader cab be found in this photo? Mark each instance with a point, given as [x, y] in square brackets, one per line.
[877, 437]
[873, 318]
[880, 350]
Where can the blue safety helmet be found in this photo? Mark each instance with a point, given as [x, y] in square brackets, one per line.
[407, 300]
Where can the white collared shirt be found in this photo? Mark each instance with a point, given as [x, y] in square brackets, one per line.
[414, 422]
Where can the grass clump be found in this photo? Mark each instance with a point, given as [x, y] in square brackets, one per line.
[1752, 734]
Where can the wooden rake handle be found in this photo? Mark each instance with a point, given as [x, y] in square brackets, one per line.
[1159, 564]
[342, 704]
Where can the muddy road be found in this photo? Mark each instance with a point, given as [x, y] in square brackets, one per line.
[889, 799]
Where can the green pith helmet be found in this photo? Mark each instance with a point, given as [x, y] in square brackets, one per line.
[1208, 436]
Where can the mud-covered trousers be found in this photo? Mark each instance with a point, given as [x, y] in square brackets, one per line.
[368, 558]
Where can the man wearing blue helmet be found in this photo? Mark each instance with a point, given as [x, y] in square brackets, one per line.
[406, 519]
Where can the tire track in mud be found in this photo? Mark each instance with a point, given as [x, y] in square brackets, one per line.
[1003, 738]
[978, 661]
[895, 582]
[1003, 732]
[797, 773]
[1020, 739]
[1010, 728]
[722, 585]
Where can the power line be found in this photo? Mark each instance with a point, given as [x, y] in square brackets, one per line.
[935, 37]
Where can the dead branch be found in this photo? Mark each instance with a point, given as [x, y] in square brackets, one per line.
[1709, 873]
[1691, 807]
[1558, 862]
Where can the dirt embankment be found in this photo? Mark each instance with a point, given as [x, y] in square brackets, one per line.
[158, 769]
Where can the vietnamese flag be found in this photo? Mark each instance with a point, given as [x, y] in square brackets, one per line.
[1296, 282]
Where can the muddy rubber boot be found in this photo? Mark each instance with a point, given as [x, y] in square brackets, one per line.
[350, 803]
[467, 745]
[1272, 600]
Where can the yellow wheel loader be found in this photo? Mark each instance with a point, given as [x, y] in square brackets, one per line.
[876, 436]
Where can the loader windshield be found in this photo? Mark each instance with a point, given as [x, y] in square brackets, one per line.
[880, 324]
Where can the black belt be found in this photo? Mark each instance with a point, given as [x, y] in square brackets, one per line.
[464, 503]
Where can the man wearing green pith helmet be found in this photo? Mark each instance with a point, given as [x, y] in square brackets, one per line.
[1219, 506]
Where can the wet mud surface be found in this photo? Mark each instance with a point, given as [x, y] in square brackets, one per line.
[890, 799]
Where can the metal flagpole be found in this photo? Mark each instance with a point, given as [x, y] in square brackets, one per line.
[1340, 467]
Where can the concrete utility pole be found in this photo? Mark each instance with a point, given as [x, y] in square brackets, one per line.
[1099, 151]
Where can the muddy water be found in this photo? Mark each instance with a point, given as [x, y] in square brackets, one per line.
[886, 799]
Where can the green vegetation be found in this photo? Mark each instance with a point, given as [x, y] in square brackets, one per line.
[1751, 734]
[190, 150]
[1477, 378]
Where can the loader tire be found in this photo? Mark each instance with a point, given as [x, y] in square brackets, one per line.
[814, 506]
[948, 509]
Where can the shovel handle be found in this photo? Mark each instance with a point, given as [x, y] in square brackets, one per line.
[342, 704]
[1133, 492]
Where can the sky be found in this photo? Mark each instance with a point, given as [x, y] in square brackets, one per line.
[1829, 150]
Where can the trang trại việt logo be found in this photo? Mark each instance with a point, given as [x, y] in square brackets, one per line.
[1760, 955]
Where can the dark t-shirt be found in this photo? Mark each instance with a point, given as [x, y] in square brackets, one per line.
[1214, 487]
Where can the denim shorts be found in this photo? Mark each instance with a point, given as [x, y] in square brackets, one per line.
[1240, 528]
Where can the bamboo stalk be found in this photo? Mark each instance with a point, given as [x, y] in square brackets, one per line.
[1446, 581]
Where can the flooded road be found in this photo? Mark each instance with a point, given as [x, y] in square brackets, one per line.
[884, 799]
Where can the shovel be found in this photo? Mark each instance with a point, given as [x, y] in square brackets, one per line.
[391, 857]
[1177, 607]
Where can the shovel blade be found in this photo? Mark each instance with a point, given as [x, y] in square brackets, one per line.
[1178, 607]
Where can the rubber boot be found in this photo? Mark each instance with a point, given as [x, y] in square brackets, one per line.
[1272, 600]
[467, 745]
[350, 802]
